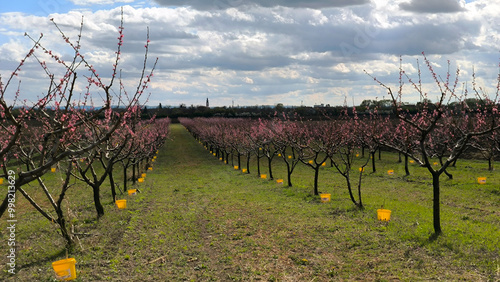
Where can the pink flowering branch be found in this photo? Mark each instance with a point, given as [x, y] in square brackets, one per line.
[442, 132]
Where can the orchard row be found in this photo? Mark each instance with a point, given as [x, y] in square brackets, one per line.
[434, 139]
[441, 131]
[64, 130]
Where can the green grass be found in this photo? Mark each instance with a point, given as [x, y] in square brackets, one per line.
[197, 219]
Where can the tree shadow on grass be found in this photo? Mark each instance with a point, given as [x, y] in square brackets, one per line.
[43, 261]
[350, 211]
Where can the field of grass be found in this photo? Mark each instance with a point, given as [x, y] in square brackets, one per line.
[198, 219]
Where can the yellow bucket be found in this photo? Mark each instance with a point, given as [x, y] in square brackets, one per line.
[53, 169]
[132, 191]
[140, 180]
[244, 170]
[263, 176]
[220, 159]
[481, 180]
[361, 169]
[311, 162]
[236, 167]
[325, 198]
[1, 180]
[435, 163]
[383, 214]
[289, 157]
[143, 175]
[121, 204]
[279, 181]
[150, 168]
[390, 172]
[65, 269]
[154, 158]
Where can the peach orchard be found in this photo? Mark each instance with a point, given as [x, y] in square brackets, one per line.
[440, 131]
[64, 129]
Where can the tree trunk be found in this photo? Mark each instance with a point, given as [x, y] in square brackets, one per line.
[269, 162]
[406, 165]
[436, 204]
[97, 201]
[62, 225]
[450, 176]
[316, 176]
[60, 215]
[248, 162]
[490, 163]
[289, 178]
[258, 165]
[124, 178]
[348, 180]
[360, 203]
[112, 183]
[373, 161]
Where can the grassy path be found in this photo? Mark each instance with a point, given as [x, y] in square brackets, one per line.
[204, 221]
[197, 219]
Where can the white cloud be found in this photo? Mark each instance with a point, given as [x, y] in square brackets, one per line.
[282, 19]
[239, 16]
[318, 18]
[242, 51]
[248, 80]
[341, 68]
[312, 80]
[13, 50]
[284, 73]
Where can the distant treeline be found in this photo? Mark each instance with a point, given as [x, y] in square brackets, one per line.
[317, 112]
[383, 107]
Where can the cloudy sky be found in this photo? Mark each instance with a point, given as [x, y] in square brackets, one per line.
[262, 52]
